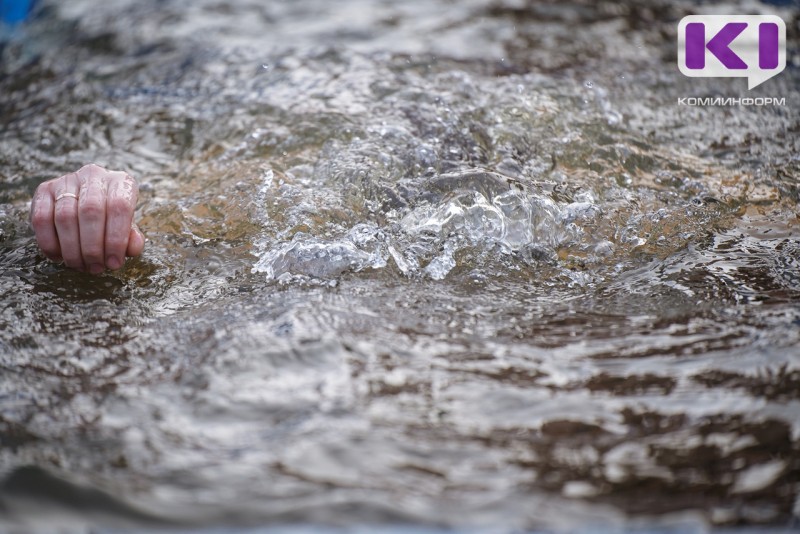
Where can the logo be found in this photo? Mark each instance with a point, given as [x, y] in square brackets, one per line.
[745, 46]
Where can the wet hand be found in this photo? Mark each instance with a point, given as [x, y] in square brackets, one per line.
[85, 219]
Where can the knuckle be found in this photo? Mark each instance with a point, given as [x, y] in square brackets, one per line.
[91, 167]
[93, 253]
[40, 221]
[42, 189]
[91, 208]
[61, 182]
[118, 207]
[48, 184]
[64, 215]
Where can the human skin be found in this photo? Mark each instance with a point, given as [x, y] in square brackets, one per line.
[93, 232]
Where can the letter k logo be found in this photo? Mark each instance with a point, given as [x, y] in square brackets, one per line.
[738, 46]
[719, 45]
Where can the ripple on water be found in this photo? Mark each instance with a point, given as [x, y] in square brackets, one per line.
[436, 265]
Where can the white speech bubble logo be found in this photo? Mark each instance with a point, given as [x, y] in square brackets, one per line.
[726, 46]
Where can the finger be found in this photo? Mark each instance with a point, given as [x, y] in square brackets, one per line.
[120, 205]
[43, 222]
[92, 216]
[65, 215]
[135, 242]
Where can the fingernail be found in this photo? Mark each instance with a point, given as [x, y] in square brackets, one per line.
[96, 268]
[113, 262]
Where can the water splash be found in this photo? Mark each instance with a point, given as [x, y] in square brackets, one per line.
[361, 248]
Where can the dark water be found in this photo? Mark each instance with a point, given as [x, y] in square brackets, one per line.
[434, 264]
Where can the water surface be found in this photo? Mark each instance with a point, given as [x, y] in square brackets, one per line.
[435, 264]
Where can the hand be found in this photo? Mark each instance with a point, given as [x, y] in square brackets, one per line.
[86, 219]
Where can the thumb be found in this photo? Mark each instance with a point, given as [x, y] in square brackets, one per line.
[135, 242]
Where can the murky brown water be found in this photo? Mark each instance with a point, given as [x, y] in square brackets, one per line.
[430, 263]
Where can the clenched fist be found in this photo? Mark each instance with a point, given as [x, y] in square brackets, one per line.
[85, 218]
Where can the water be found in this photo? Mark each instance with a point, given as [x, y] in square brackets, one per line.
[422, 265]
